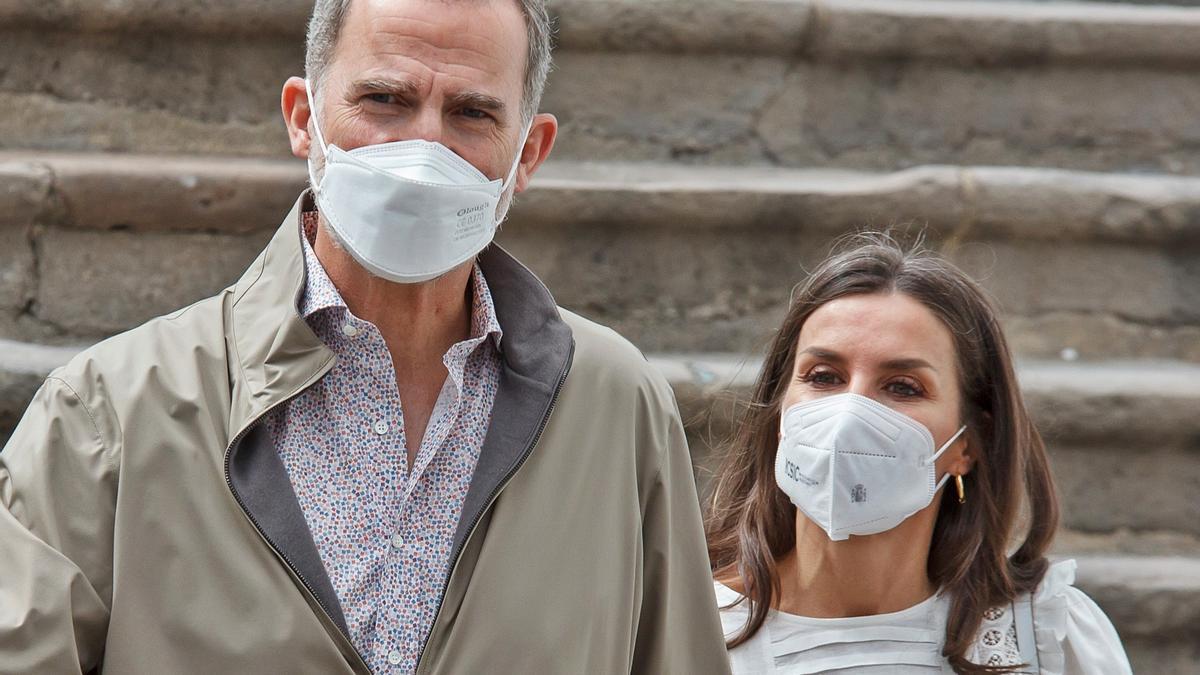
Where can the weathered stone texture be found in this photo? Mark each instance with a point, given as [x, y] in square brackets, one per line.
[873, 115]
[132, 277]
[23, 367]
[1154, 487]
[1167, 600]
[24, 195]
[1108, 270]
[175, 194]
[695, 82]
[674, 26]
[205, 17]
[700, 289]
[1154, 602]
[45, 123]
[16, 270]
[658, 107]
[1137, 284]
[997, 32]
[208, 80]
[1093, 337]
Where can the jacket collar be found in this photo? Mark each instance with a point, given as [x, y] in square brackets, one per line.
[274, 354]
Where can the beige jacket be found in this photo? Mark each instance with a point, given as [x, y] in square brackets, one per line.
[147, 525]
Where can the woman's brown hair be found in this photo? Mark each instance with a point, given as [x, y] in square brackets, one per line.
[751, 523]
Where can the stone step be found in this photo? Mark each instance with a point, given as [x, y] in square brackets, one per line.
[1087, 264]
[869, 84]
[1147, 582]
[1154, 602]
[1123, 437]
[1119, 433]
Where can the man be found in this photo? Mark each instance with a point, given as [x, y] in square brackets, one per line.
[381, 450]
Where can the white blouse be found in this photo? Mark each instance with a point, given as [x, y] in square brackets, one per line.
[1072, 635]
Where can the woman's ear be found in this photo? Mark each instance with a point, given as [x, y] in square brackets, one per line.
[966, 460]
[971, 441]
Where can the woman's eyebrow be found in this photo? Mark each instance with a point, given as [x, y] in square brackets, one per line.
[904, 363]
[907, 364]
[824, 353]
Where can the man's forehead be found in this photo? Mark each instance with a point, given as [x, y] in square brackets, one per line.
[495, 26]
[470, 40]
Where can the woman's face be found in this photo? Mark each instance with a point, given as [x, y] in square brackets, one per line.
[890, 348]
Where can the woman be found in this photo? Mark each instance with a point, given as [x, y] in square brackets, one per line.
[834, 539]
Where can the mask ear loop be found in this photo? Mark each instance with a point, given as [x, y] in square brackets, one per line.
[512, 173]
[942, 451]
[312, 111]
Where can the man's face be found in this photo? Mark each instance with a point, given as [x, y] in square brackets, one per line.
[450, 72]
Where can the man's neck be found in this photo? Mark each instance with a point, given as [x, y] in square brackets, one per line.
[419, 322]
[861, 576]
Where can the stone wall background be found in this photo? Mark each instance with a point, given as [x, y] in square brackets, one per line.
[710, 151]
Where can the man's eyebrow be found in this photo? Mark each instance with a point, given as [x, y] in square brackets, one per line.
[474, 99]
[384, 86]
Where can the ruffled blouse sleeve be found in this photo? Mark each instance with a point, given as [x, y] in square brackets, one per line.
[1074, 637]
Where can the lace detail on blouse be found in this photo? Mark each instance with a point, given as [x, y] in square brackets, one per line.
[996, 642]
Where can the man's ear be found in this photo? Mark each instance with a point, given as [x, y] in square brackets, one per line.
[542, 134]
[296, 115]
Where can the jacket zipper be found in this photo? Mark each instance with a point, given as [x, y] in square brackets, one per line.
[562, 378]
[254, 521]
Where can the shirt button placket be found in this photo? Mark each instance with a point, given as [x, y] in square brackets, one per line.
[394, 657]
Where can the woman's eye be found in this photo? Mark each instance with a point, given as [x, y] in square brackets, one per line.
[821, 378]
[904, 389]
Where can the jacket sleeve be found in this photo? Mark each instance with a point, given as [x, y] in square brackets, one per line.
[679, 628]
[58, 484]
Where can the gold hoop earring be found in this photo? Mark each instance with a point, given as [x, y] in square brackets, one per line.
[962, 493]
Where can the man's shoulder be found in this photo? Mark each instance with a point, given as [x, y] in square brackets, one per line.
[606, 358]
[190, 340]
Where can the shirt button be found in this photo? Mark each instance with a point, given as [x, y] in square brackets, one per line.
[394, 658]
[381, 427]
[349, 330]
[397, 542]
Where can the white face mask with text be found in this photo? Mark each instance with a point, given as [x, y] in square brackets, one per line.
[854, 466]
[408, 211]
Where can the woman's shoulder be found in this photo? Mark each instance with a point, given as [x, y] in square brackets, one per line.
[734, 609]
[750, 657]
[1073, 634]
[1070, 632]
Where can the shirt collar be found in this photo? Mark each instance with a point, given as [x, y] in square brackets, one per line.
[320, 293]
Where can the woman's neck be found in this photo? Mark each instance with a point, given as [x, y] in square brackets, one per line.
[861, 576]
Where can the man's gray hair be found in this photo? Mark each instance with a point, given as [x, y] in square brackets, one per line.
[326, 26]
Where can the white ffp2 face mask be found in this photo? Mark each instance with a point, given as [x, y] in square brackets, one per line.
[854, 466]
[408, 211]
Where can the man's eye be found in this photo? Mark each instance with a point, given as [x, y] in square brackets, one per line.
[380, 98]
[474, 113]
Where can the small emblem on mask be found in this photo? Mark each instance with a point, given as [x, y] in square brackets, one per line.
[858, 495]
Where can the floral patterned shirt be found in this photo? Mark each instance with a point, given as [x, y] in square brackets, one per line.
[384, 530]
